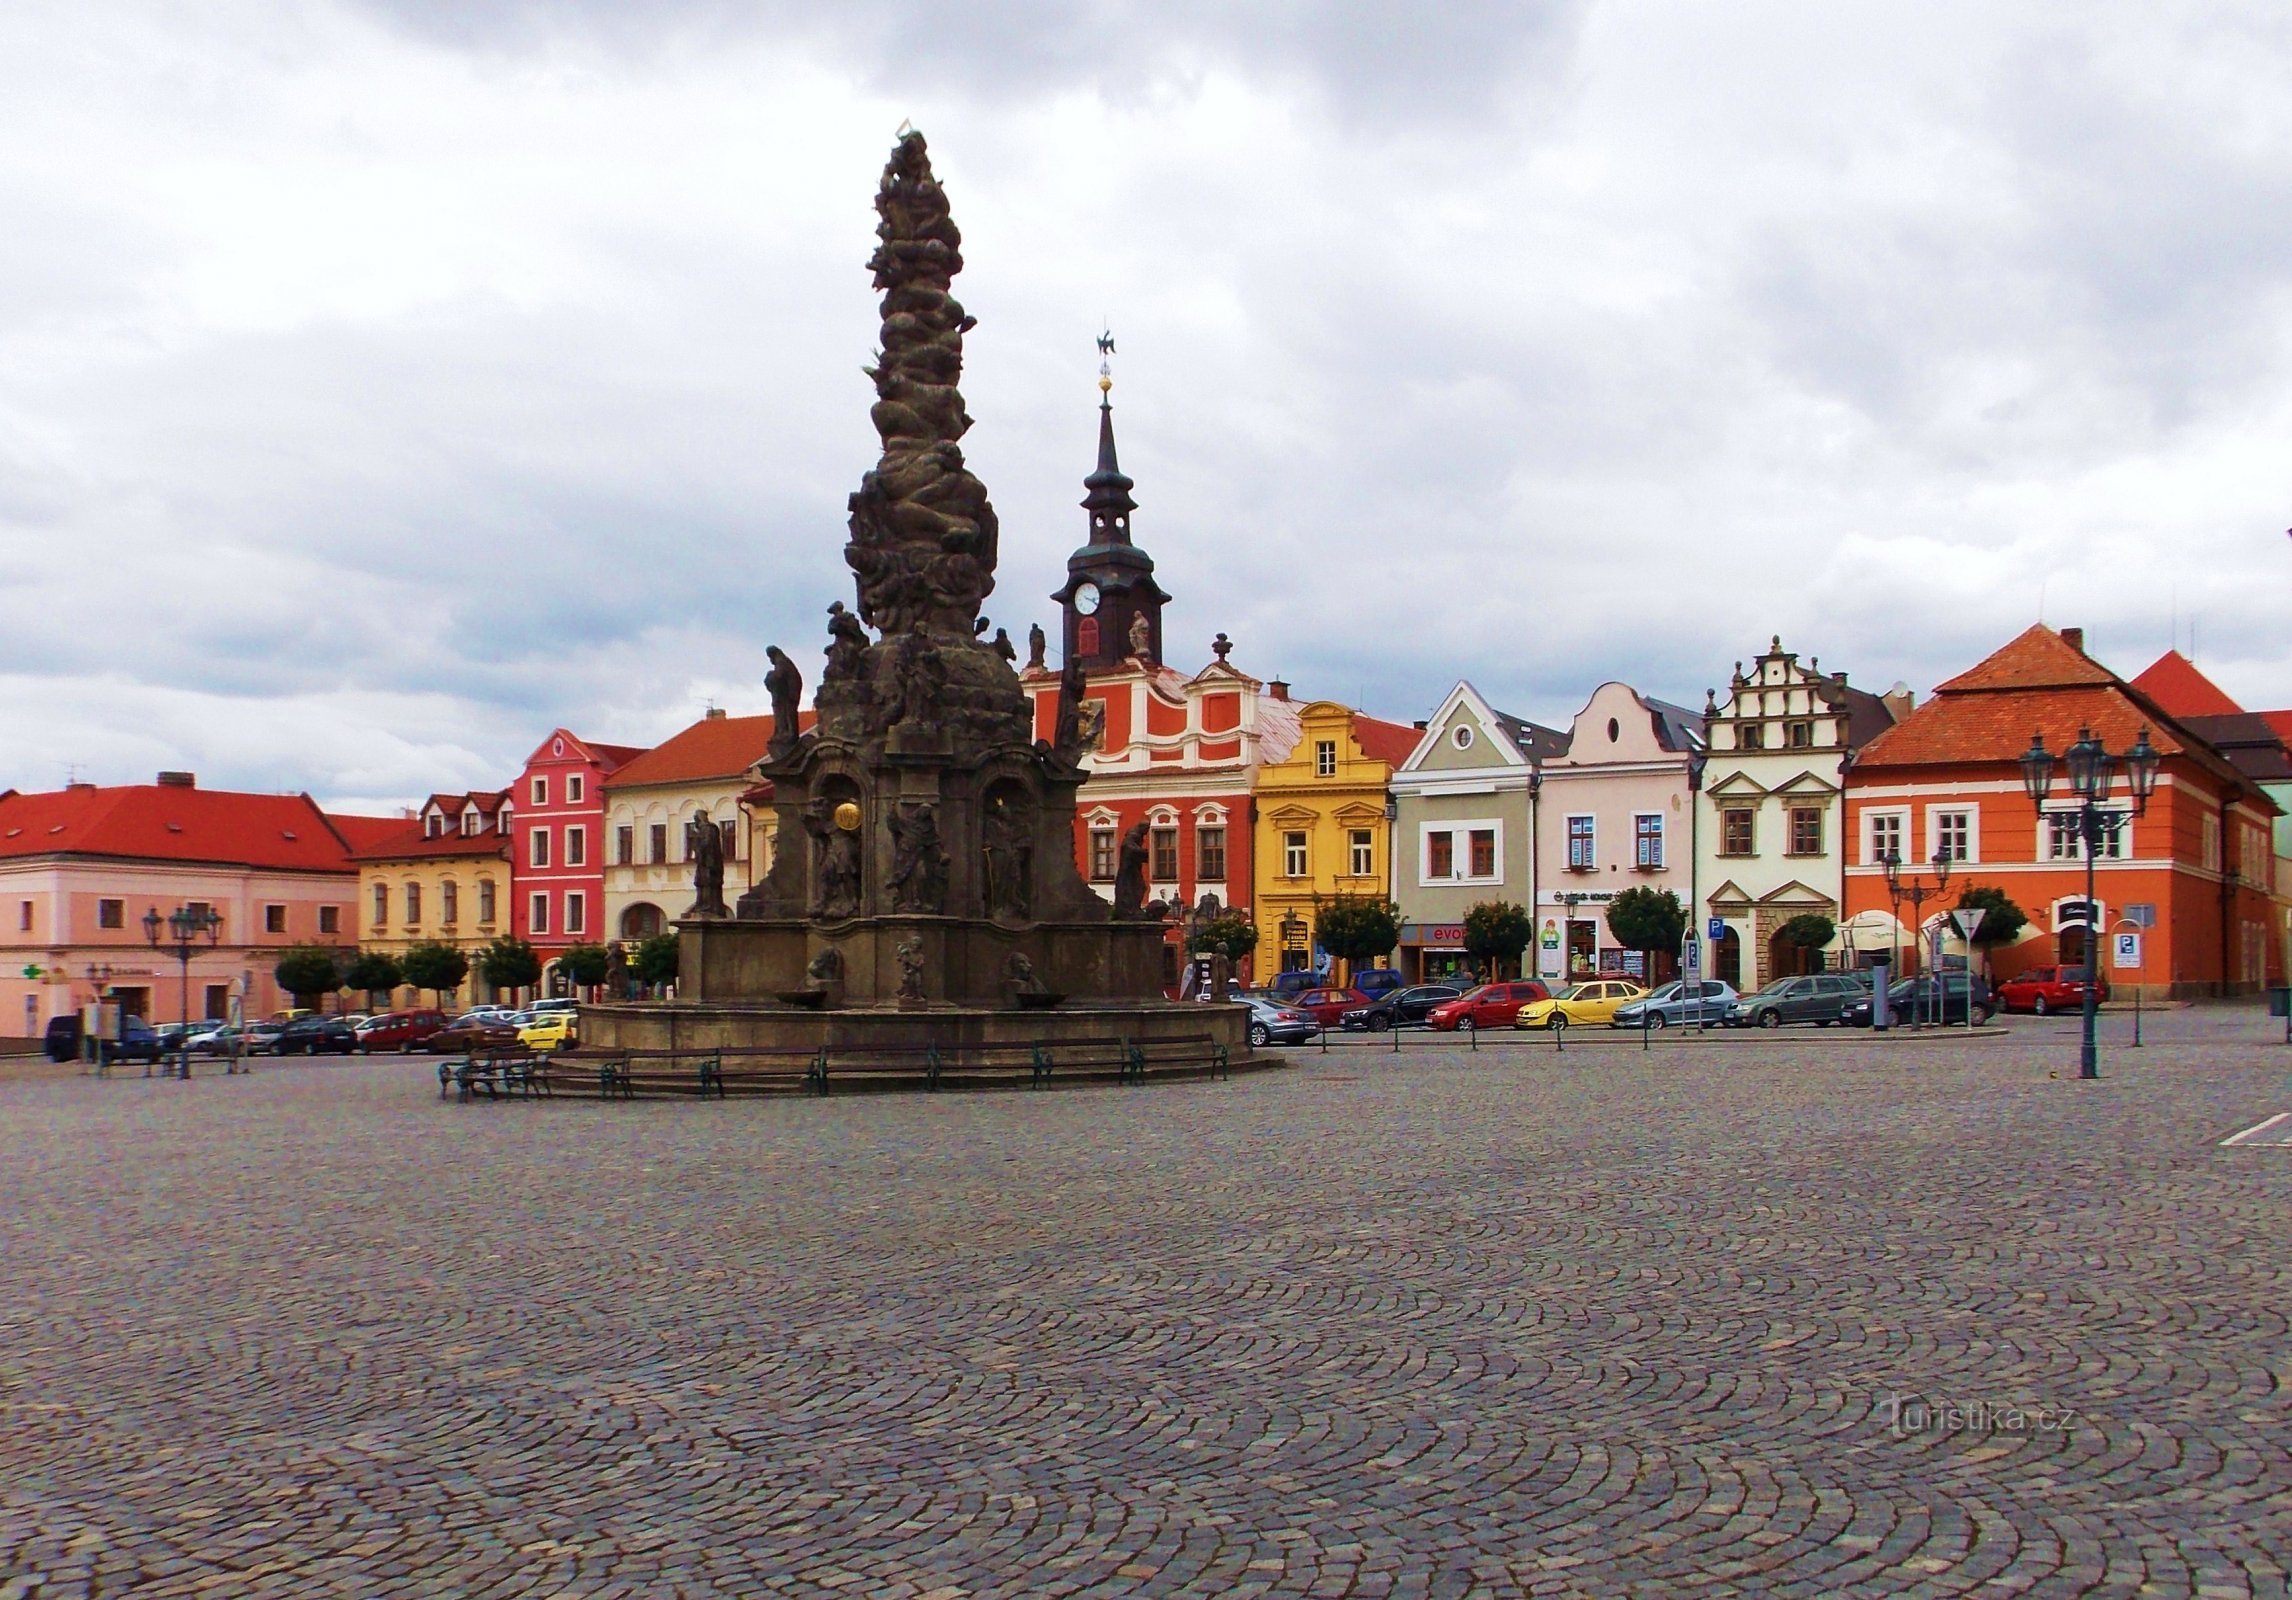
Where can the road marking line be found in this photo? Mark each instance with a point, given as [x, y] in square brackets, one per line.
[2259, 1128]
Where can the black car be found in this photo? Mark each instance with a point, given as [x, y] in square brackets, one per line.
[1912, 1000]
[311, 1036]
[136, 1041]
[1403, 1008]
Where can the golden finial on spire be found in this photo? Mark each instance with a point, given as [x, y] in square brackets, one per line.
[1105, 368]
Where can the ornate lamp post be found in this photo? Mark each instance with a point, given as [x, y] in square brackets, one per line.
[1918, 894]
[2092, 774]
[185, 926]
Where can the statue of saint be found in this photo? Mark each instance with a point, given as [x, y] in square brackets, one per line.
[910, 955]
[616, 971]
[1036, 645]
[1130, 874]
[847, 644]
[1141, 637]
[922, 677]
[835, 862]
[1221, 977]
[1007, 846]
[918, 859]
[786, 687]
[704, 843]
[1004, 648]
[1019, 975]
[1066, 735]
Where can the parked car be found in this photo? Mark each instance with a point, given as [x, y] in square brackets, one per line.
[315, 1036]
[136, 1042]
[1286, 985]
[1820, 998]
[1491, 1005]
[1378, 982]
[1270, 1022]
[398, 1030]
[1326, 1006]
[1580, 1004]
[2044, 990]
[261, 1038]
[1912, 1000]
[220, 1039]
[548, 1030]
[1675, 1005]
[1400, 1008]
[563, 1003]
[472, 1032]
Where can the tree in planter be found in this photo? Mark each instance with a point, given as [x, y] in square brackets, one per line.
[1648, 920]
[2002, 920]
[1810, 931]
[655, 960]
[510, 963]
[439, 968]
[1229, 933]
[1497, 932]
[584, 964]
[1356, 929]
[374, 973]
[309, 972]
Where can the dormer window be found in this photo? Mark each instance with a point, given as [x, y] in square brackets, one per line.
[470, 823]
[430, 825]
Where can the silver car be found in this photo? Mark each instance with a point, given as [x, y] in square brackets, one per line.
[1677, 1005]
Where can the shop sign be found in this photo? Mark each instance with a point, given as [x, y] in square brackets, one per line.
[1438, 935]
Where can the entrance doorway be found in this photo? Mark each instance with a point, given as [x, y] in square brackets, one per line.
[1788, 960]
[1583, 949]
[131, 1002]
[1727, 958]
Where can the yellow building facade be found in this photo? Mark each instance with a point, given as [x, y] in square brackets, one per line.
[1323, 828]
[444, 879]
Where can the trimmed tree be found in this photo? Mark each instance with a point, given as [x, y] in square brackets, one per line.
[1229, 933]
[1356, 928]
[309, 972]
[510, 963]
[1497, 932]
[2002, 920]
[655, 960]
[439, 968]
[584, 964]
[1651, 921]
[372, 973]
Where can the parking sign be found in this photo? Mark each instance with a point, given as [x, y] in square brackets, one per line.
[1717, 929]
[2127, 956]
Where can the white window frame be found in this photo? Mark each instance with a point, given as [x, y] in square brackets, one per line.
[1361, 851]
[2068, 810]
[1325, 758]
[537, 850]
[1871, 817]
[574, 788]
[576, 912]
[537, 912]
[1973, 815]
[1297, 856]
[541, 791]
[576, 845]
[1662, 841]
[1460, 834]
[1591, 840]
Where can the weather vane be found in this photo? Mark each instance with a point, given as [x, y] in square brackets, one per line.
[1105, 349]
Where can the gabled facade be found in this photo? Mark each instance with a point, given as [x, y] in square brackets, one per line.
[2199, 864]
[706, 771]
[1613, 812]
[1323, 827]
[1463, 811]
[558, 860]
[81, 867]
[440, 877]
[1772, 810]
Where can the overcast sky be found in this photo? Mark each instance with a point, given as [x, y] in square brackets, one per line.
[384, 383]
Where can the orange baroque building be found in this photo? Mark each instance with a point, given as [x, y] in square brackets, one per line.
[2198, 865]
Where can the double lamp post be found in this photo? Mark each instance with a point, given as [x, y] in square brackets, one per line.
[186, 927]
[1917, 893]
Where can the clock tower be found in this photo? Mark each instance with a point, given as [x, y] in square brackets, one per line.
[1110, 589]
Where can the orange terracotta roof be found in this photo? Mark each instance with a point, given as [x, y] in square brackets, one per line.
[2038, 658]
[1389, 742]
[165, 822]
[713, 747]
[2281, 721]
[406, 841]
[363, 833]
[1969, 729]
[2172, 680]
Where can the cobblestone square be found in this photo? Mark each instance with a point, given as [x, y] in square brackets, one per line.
[1800, 1315]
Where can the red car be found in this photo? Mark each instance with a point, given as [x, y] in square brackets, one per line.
[472, 1033]
[1492, 1005]
[2048, 989]
[399, 1030]
[1327, 1006]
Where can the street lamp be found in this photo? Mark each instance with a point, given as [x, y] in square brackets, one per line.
[1918, 894]
[186, 926]
[2092, 773]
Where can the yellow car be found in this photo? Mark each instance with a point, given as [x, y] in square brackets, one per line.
[1595, 1001]
[552, 1030]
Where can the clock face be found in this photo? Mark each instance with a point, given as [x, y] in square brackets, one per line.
[1086, 599]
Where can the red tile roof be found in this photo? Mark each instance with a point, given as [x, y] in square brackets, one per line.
[2038, 659]
[2281, 721]
[2172, 680]
[165, 822]
[1389, 742]
[713, 747]
[405, 840]
[361, 833]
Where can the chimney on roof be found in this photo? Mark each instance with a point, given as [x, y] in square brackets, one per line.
[1419, 724]
[178, 780]
[1278, 689]
[715, 713]
[2074, 638]
[1899, 701]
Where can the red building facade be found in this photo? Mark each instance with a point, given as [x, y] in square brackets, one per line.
[2194, 874]
[557, 863]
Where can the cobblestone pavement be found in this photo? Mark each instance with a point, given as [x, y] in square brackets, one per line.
[1599, 1324]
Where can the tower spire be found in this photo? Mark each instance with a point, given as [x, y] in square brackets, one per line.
[1112, 605]
[1108, 500]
